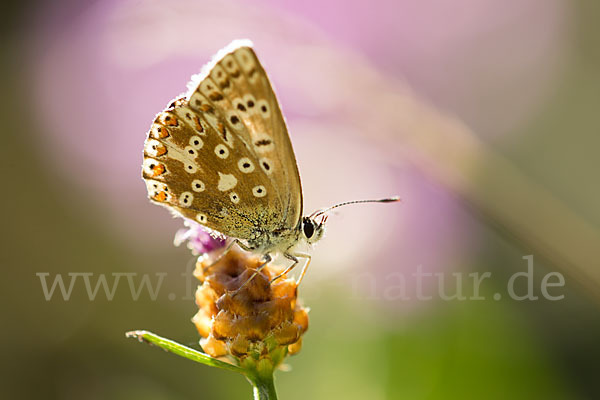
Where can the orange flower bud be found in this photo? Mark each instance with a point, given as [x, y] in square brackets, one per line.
[261, 320]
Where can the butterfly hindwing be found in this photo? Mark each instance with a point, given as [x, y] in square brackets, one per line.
[216, 156]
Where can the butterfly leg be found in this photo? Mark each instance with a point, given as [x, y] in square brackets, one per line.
[304, 268]
[224, 252]
[294, 258]
[267, 260]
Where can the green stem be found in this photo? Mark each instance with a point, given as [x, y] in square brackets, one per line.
[264, 387]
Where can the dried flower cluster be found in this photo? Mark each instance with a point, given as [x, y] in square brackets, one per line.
[261, 322]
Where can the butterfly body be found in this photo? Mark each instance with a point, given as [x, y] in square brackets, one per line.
[306, 232]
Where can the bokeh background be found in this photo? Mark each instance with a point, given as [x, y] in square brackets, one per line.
[481, 114]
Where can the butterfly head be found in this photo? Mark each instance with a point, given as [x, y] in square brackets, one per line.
[313, 229]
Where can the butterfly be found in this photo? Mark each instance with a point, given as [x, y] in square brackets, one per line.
[221, 155]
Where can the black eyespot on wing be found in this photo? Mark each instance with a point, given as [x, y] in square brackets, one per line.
[262, 142]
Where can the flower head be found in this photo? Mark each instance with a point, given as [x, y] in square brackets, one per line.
[199, 239]
[260, 323]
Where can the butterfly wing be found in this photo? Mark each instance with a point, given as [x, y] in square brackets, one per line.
[222, 155]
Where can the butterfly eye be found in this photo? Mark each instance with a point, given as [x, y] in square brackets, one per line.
[308, 227]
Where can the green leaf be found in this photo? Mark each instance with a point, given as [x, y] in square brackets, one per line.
[183, 351]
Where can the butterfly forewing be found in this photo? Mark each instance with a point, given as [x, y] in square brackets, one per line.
[216, 156]
[270, 138]
[238, 85]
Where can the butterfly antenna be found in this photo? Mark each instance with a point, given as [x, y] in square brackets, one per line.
[325, 210]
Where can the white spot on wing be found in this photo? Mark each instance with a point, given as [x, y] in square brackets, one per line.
[185, 199]
[245, 165]
[191, 168]
[226, 182]
[156, 189]
[149, 164]
[191, 151]
[207, 86]
[245, 59]
[250, 102]
[221, 151]
[266, 165]
[230, 64]
[198, 185]
[240, 106]
[263, 143]
[264, 109]
[234, 119]
[154, 186]
[196, 142]
[157, 131]
[259, 191]
[234, 197]
[219, 76]
[154, 148]
[197, 100]
[187, 159]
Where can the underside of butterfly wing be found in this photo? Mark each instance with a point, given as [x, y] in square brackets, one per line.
[222, 156]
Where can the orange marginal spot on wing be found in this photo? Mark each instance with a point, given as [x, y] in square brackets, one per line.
[160, 196]
[160, 132]
[215, 96]
[158, 169]
[168, 119]
[206, 108]
[198, 126]
[160, 149]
